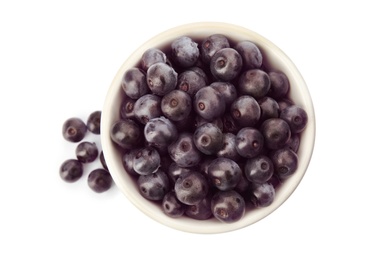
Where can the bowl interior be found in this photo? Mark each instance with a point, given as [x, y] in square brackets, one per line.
[275, 58]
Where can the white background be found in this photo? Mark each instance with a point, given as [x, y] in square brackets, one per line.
[57, 60]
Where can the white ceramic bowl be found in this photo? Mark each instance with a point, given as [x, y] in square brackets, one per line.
[275, 58]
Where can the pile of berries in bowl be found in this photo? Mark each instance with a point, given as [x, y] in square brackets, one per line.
[208, 127]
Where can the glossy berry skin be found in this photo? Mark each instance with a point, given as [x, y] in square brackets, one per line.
[294, 142]
[226, 64]
[259, 169]
[93, 122]
[127, 108]
[191, 80]
[185, 51]
[128, 162]
[99, 180]
[86, 152]
[160, 132]
[161, 78]
[208, 138]
[269, 108]
[261, 195]
[71, 170]
[254, 82]
[245, 111]
[228, 206]
[211, 44]
[249, 142]
[154, 186]
[209, 103]
[134, 83]
[74, 130]
[152, 56]
[191, 188]
[200, 210]
[184, 152]
[224, 173]
[147, 107]
[227, 90]
[296, 118]
[280, 85]
[285, 162]
[228, 149]
[146, 161]
[172, 206]
[252, 57]
[126, 133]
[276, 133]
[176, 105]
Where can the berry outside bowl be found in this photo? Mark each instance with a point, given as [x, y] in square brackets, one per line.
[276, 58]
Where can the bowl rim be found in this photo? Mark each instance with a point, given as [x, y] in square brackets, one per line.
[211, 226]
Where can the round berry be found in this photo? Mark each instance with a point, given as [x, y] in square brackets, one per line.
[176, 105]
[224, 173]
[249, 142]
[152, 56]
[146, 161]
[71, 170]
[184, 152]
[74, 130]
[86, 152]
[161, 78]
[154, 186]
[226, 64]
[209, 103]
[211, 44]
[99, 180]
[93, 122]
[285, 162]
[208, 138]
[252, 57]
[276, 133]
[245, 111]
[228, 206]
[191, 188]
[172, 206]
[185, 51]
[126, 133]
[296, 118]
[259, 169]
[134, 83]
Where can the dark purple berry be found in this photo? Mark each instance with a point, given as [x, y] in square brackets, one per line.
[228, 206]
[245, 111]
[211, 45]
[185, 52]
[126, 133]
[71, 170]
[184, 152]
[276, 133]
[190, 81]
[224, 173]
[175, 171]
[254, 82]
[128, 162]
[86, 152]
[296, 118]
[161, 78]
[200, 210]
[99, 180]
[134, 83]
[127, 108]
[176, 105]
[285, 162]
[172, 206]
[269, 108]
[154, 186]
[74, 130]
[152, 56]
[147, 107]
[191, 188]
[209, 103]
[146, 161]
[280, 85]
[160, 132]
[249, 142]
[208, 138]
[252, 57]
[293, 142]
[259, 169]
[226, 64]
[261, 195]
[93, 122]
